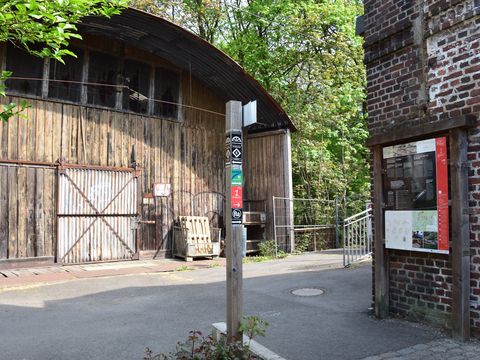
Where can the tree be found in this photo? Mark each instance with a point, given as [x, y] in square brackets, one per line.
[203, 17]
[307, 55]
[45, 27]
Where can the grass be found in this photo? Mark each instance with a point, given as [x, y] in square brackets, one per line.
[263, 258]
[184, 268]
[214, 265]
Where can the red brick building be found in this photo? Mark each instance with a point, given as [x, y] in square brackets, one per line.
[423, 72]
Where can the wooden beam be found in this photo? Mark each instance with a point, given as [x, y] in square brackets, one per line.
[46, 77]
[381, 259]
[287, 157]
[234, 232]
[410, 133]
[460, 235]
[268, 133]
[85, 70]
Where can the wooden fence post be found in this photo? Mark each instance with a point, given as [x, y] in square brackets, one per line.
[381, 259]
[460, 235]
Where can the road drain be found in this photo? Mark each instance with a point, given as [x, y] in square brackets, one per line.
[307, 292]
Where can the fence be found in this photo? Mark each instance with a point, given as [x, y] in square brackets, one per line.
[305, 224]
[357, 233]
[315, 224]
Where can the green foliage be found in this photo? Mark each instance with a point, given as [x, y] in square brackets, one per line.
[302, 244]
[253, 326]
[307, 55]
[267, 253]
[204, 17]
[214, 265]
[198, 347]
[184, 268]
[267, 248]
[44, 28]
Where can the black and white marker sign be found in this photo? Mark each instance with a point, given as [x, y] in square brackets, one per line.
[233, 148]
[237, 215]
[237, 148]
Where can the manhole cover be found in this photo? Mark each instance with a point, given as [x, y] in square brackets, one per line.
[307, 292]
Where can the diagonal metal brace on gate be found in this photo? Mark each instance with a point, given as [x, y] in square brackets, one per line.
[97, 212]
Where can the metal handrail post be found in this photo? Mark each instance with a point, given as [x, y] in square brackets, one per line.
[274, 227]
[337, 242]
[344, 245]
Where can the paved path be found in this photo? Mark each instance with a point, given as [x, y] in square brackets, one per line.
[97, 311]
[443, 349]
[22, 277]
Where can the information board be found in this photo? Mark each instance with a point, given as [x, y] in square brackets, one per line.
[415, 185]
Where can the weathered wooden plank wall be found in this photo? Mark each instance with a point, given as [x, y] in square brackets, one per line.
[27, 226]
[187, 154]
[267, 174]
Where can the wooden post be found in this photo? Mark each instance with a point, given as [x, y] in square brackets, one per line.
[287, 158]
[233, 218]
[460, 235]
[381, 260]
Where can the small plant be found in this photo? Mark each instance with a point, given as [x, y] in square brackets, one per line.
[199, 347]
[303, 243]
[267, 248]
[253, 326]
[267, 253]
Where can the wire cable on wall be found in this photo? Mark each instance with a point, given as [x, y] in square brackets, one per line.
[134, 95]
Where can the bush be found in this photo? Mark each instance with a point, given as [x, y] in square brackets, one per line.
[302, 244]
[267, 248]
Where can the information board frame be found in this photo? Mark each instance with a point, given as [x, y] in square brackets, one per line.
[415, 191]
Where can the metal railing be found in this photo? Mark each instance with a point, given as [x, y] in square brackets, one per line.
[293, 216]
[357, 234]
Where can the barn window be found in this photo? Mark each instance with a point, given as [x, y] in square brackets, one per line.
[65, 78]
[102, 74]
[27, 72]
[136, 77]
[167, 89]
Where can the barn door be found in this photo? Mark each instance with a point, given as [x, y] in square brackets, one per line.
[96, 213]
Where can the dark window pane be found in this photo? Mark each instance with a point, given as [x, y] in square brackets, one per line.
[136, 76]
[102, 70]
[65, 78]
[25, 66]
[167, 87]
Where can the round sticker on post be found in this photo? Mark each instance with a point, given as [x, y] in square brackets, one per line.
[237, 216]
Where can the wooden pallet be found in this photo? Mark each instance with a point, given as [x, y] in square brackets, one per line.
[193, 238]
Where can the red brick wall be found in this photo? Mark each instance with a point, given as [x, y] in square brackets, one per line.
[423, 66]
[420, 286]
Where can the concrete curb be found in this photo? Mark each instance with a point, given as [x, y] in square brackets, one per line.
[259, 350]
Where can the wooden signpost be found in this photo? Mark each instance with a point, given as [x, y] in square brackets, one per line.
[234, 216]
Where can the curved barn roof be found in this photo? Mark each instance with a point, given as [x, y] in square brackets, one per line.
[189, 52]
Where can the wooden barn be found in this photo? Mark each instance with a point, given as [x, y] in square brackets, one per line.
[121, 141]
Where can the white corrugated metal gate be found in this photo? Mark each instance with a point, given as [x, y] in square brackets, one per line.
[96, 211]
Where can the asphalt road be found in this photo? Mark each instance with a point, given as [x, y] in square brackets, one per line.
[117, 317]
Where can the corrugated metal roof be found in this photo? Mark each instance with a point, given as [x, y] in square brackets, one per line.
[186, 50]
